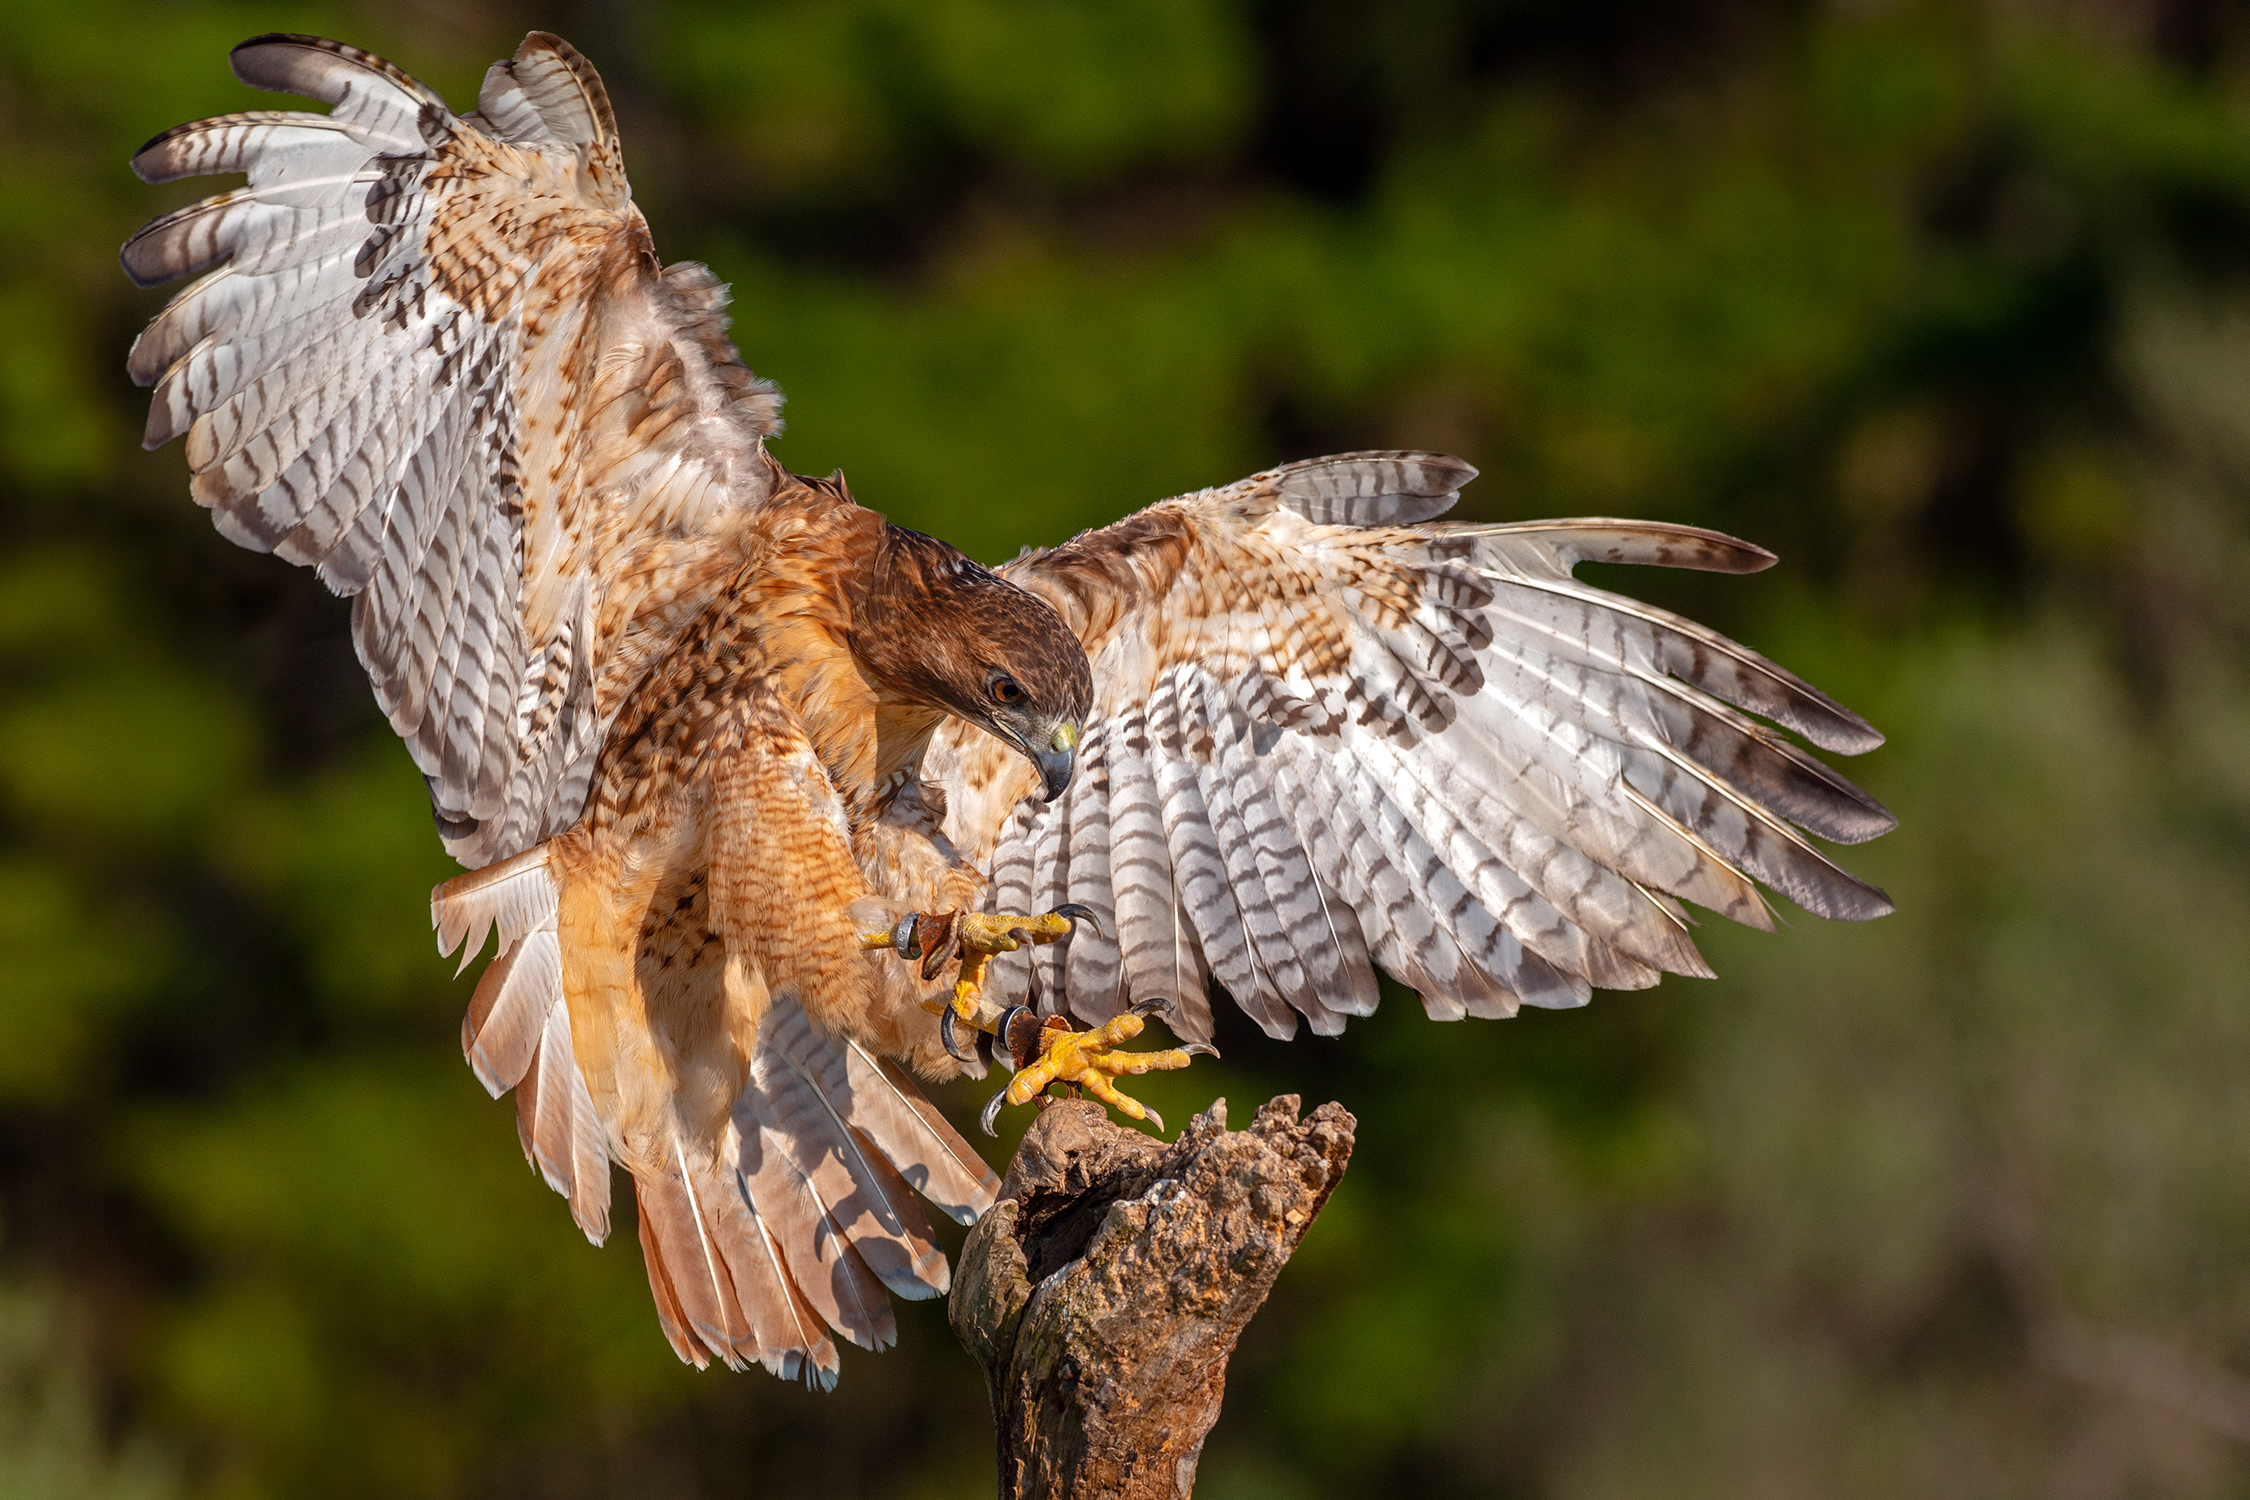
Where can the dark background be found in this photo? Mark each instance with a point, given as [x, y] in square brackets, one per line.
[1949, 304]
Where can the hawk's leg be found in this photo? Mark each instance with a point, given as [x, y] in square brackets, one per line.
[1054, 1053]
[977, 937]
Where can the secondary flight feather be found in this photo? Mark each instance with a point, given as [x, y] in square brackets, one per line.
[771, 805]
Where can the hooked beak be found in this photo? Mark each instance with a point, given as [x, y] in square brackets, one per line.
[1057, 761]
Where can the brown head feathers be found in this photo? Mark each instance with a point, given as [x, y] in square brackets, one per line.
[931, 623]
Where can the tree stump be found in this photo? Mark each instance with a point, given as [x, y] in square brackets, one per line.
[1104, 1292]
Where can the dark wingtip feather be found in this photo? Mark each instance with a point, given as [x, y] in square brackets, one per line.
[155, 254]
[1441, 473]
[1862, 903]
[1875, 821]
[293, 62]
[1847, 816]
[152, 163]
[1824, 888]
[265, 61]
[1832, 726]
[1662, 544]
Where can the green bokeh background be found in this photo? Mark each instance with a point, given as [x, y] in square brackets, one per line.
[1949, 304]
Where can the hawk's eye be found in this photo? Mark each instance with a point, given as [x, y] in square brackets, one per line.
[1006, 689]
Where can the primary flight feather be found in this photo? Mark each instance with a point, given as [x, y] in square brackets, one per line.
[761, 794]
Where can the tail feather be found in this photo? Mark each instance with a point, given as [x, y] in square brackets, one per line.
[908, 1129]
[717, 1268]
[927, 1274]
[804, 1213]
[798, 1217]
[668, 1311]
[672, 1198]
[809, 1105]
[788, 1325]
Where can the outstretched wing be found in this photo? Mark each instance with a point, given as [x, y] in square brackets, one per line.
[1329, 735]
[435, 358]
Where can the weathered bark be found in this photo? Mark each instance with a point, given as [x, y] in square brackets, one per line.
[1104, 1292]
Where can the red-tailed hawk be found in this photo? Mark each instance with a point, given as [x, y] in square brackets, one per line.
[745, 774]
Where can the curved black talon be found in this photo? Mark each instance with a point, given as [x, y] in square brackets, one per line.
[1077, 914]
[945, 1035]
[992, 1111]
[1159, 1006]
[1153, 1117]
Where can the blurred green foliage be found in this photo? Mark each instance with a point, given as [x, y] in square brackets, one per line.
[1949, 303]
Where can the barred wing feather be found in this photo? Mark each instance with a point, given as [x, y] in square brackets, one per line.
[1331, 733]
[434, 358]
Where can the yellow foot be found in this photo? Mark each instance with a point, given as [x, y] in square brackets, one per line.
[1086, 1059]
[975, 936]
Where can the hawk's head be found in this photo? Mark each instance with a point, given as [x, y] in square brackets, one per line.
[937, 627]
